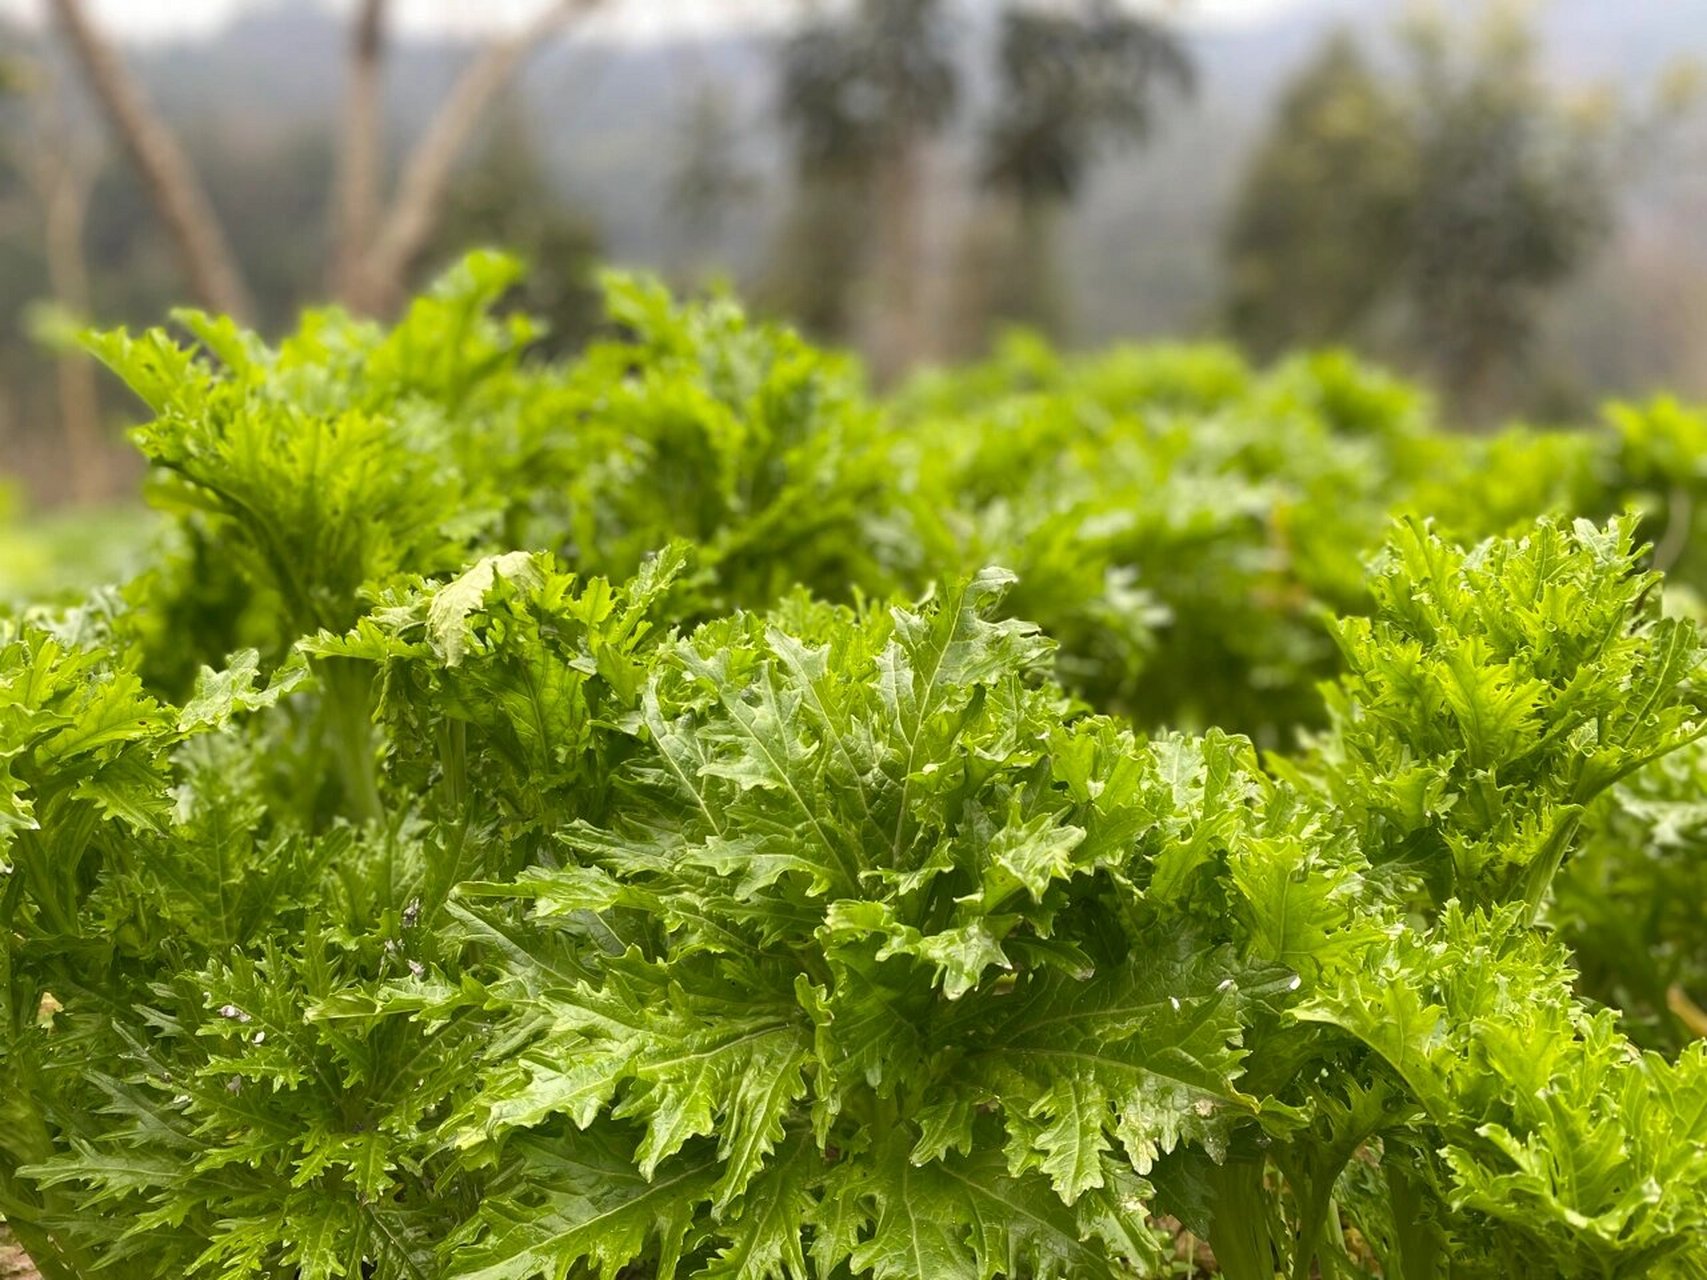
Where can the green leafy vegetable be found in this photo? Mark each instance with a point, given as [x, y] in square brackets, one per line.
[611, 820]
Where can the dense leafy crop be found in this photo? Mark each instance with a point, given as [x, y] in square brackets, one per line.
[613, 820]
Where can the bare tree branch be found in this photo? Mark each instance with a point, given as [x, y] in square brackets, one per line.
[362, 154]
[426, 177]
[166, 172]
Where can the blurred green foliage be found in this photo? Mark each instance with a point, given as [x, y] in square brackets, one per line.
[65, 555]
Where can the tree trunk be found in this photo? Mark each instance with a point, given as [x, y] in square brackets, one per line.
[61, 179]
[362, 155]
[66, 207]
[166, 172]
[1037, 281]
[897, 338]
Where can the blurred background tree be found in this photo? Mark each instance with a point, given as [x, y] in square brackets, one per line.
[506, 197]
[863, 94]
[378, 244]
[1075, 85]
[1513, 196]
[1322, 216]
[1483, 204]
[1426, 214]
[48, 180]
[712, 180]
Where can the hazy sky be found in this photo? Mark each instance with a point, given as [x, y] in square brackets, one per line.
[166, 18]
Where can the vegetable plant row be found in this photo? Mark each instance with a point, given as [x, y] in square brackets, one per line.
[674, 814]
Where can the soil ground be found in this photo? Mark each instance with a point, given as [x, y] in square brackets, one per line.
[13, 1264]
